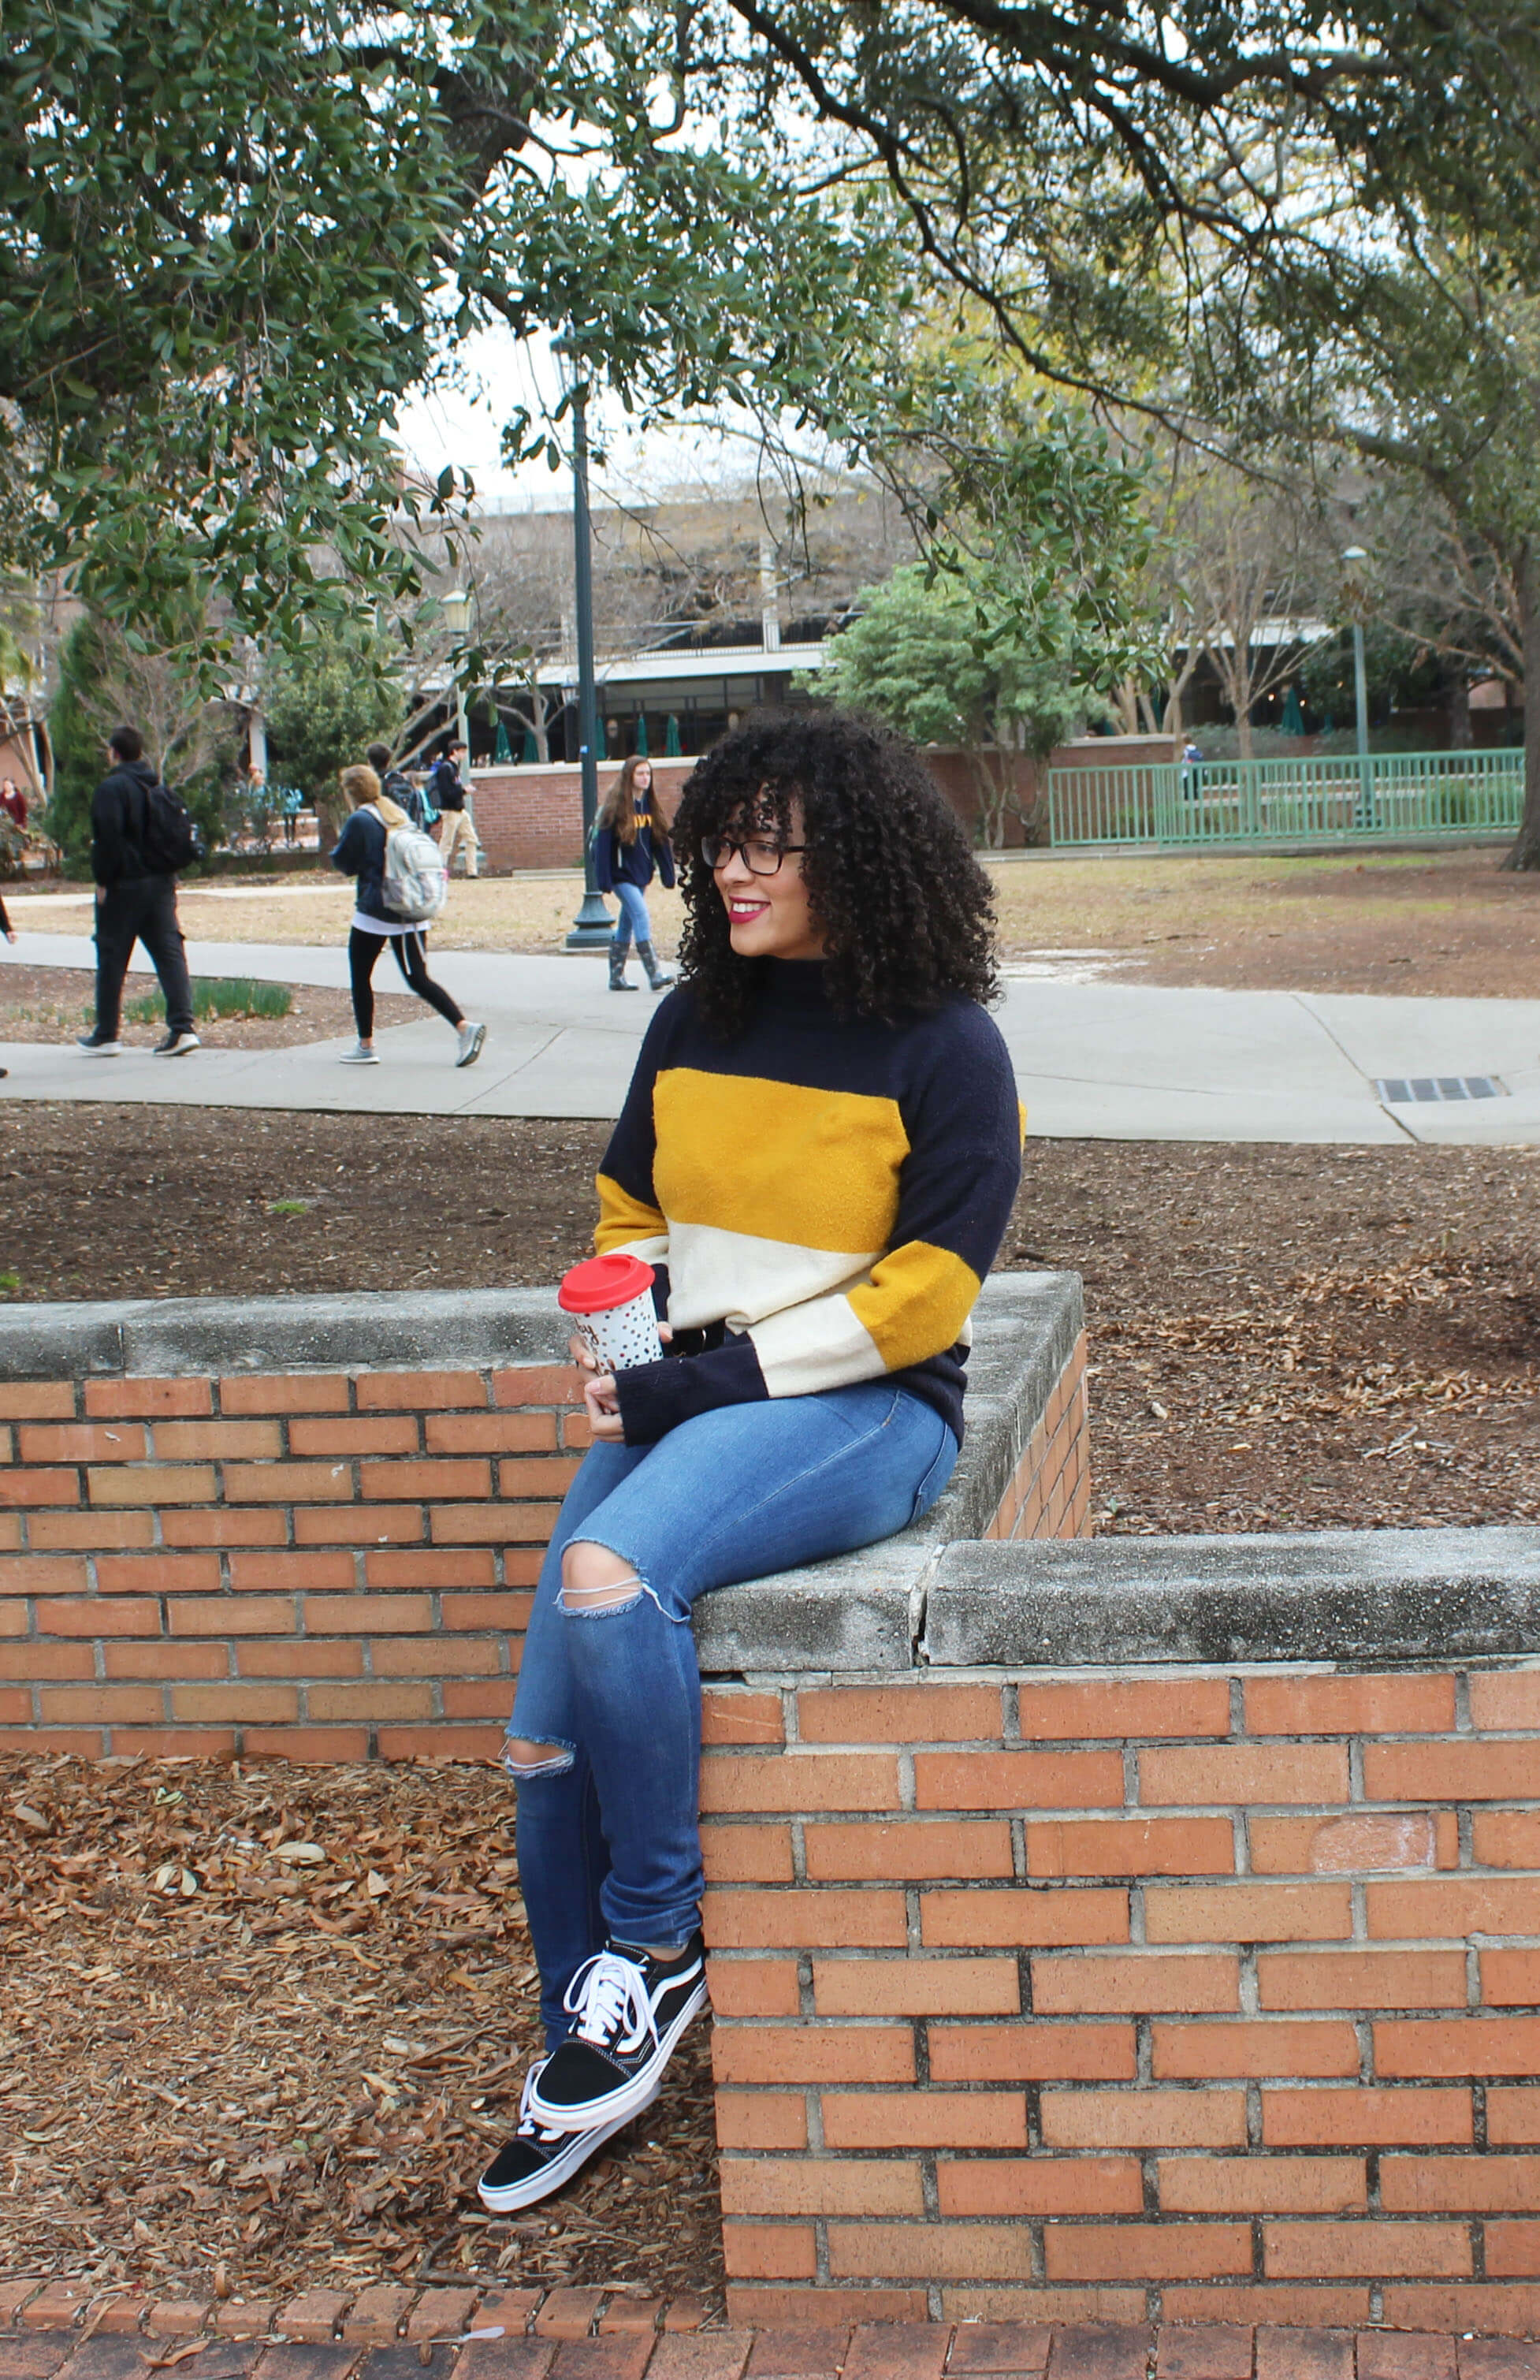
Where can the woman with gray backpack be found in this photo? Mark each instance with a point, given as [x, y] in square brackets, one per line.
[402, 887]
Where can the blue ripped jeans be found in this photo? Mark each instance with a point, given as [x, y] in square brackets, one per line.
[633, 917]
[608, 1834]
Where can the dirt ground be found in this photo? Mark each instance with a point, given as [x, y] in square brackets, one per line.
[263, 2030]
[1448, 923]
[1281, 1338]
[54, 1003]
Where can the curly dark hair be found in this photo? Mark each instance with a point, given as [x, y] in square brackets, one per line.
[906, 911]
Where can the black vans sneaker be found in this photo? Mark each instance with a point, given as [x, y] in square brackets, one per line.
[537, 2161]
[630, 2010]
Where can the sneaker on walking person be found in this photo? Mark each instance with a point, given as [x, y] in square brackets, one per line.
[537, 2161]
[629, 2007]
[177, 1045]
[363, 1053]
[100, 1044]
[471, 1038]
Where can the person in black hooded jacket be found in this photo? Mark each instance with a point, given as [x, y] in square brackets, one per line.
[134, 903]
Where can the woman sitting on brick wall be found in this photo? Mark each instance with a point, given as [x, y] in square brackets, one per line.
[818, 1154]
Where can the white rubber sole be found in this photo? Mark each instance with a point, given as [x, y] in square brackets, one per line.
[556, 2171]
[630, 2097]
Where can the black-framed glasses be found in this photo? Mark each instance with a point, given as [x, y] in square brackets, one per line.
[759, 857]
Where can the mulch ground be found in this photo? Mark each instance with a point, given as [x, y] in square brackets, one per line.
[1281, 1338]
[54, 1003]
[262, 2029]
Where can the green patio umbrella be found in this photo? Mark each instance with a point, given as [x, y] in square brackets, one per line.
[671, 739]
[641, 736]
[1293, 721]
[601, 750]
[502, 749]
[531, 750]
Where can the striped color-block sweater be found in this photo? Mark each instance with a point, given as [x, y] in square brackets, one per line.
[822, 1199]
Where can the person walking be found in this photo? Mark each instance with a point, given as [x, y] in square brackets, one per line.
[361, 852]
[13, 802]
[447, 791]
[631, 844]
[397, 786]
[136, 901]
[291, 801]
[817, 1155]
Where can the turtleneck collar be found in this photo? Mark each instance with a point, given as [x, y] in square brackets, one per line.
[795, 987]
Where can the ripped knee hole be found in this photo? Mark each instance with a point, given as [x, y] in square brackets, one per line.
[521, 1759]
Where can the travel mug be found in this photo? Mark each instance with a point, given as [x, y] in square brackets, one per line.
[609, 1299]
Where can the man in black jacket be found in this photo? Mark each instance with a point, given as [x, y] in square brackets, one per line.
[134, 903]
[449, 796]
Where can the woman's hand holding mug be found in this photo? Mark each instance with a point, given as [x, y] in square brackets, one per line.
[599, 1390]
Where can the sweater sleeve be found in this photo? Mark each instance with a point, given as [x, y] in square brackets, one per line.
[630, 1220]
[604, 859]
[663, 853]
[351, 849]
[956, 1189]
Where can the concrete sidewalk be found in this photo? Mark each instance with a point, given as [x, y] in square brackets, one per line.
[1094, 1061]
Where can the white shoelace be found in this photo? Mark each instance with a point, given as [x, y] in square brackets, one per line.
[609, 1997]
[529, 2124]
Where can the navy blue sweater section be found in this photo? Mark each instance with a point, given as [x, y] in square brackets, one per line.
[361, 852]
[630, 863]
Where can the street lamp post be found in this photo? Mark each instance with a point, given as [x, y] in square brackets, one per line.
[592, 927]
[1357, 595]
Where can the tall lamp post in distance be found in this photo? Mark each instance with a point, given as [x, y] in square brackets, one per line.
[592, 927]
[1356, 592]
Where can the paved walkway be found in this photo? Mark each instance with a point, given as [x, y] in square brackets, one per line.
[1095, 1060]
[395, 2333]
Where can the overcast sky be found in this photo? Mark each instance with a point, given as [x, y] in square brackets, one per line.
[500, 373]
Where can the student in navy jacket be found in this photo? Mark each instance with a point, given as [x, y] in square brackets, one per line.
[631, 845]
[361, 852]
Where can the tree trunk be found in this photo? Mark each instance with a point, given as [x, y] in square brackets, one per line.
[1460, 735]
[1525, 853]
[991, 798]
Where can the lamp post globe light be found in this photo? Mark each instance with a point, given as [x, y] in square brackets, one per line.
[592, 927]
[1355, 591]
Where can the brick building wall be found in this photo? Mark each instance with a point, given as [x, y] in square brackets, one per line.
[533, 817]
[1213, 1992]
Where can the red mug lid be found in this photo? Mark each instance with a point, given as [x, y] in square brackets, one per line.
[603, 1282]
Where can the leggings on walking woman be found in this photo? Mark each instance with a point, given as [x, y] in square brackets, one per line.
[411, 957]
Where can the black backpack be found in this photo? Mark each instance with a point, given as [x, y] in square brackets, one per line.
[171, 839]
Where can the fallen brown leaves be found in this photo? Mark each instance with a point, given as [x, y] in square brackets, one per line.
[1283, 1337]
[270, 2024]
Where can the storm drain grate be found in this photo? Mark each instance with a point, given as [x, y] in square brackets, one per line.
[1405, 1091]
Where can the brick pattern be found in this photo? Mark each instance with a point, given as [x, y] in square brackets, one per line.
[533, 818]
[1210, 1993]
[1049, 1494]
[594, 2334]
[323, 1565]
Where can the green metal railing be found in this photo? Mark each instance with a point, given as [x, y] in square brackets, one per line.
[1199, 805]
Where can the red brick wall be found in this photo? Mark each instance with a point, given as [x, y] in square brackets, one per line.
[1089, 1997]
[1049, 1494]
[326, 1565]
[533, 818]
